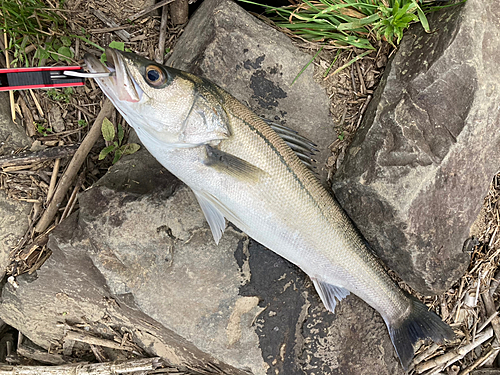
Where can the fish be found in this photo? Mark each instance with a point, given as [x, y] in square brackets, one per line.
[258, 176]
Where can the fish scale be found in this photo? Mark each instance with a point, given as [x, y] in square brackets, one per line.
[241, 170]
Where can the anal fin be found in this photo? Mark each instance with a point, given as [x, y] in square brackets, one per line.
[329, 293]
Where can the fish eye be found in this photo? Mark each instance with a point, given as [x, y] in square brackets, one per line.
[155, 75]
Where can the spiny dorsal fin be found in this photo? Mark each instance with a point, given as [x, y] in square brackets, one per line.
[303, 147]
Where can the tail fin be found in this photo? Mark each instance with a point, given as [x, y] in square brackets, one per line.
[420, 324]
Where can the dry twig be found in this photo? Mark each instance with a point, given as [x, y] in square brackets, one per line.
[51, 153]
[122, 34]
[91, 340]
[453, 356]
[160, 52]
[73, 167]
[150, 9]
[131, 366]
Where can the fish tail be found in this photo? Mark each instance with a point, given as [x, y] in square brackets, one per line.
[420, 324]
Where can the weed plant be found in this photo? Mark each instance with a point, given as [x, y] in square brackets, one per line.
[32, 23]
[349, 22]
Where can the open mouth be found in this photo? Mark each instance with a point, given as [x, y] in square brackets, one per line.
[117, 80]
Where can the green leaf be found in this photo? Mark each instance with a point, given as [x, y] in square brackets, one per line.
[118, 155]
[108, 130]
[399, 34]
[66, 41]
[359, 23]
[82, 123]
[423, 20]
[65, 51]
[130, 148]
[121, 133]
[305, 67]
[105, 151]
[395, 8]
[405, 20]
[117, 45]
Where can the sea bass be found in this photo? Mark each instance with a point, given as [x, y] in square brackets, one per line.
[255, 175]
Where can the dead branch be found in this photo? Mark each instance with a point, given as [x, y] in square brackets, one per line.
[73, 167]
[122, 34]
[29, 121]
[486, 371]
[53, 178]
[134, 365]
[489, 305]
[92, 340]
[160, 53]
[492, 353]
[451, 357]
[40, 356]
[150, 9]
[57, 152]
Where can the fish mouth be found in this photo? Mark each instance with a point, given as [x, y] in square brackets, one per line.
[121, 85]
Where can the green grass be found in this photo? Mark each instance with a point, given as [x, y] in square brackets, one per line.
[344, 23]
[33, 22]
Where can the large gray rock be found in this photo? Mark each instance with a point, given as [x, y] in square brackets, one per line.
[79, 285]
[13, 214]
[418, 169]
[257, 65]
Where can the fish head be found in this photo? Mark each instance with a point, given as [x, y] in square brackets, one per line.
[171, 107]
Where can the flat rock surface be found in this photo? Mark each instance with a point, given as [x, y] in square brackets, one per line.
[257, 65]
[416, 174]
[13, 214]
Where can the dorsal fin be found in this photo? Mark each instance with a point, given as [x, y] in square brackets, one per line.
[303, 147]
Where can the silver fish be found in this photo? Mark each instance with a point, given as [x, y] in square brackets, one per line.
[249, 172]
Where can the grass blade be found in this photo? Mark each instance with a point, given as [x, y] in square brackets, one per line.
[305, 67]
[423, 19]
[348, 64]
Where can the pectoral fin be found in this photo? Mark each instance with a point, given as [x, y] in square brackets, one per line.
[232, 165]
[329, 294]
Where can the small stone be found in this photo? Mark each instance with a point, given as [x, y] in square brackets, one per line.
[12, 281]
